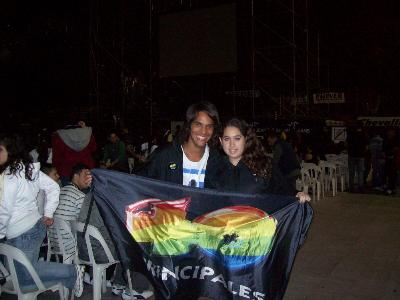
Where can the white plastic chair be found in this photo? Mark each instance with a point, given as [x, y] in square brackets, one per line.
[343, 159]
[99, 274]
[342, 170]
[57, 235]
[329, 175]
[131, 164]
[8, 284]
[331, 157]
[14, 254]
[311, 177]
[341, 173]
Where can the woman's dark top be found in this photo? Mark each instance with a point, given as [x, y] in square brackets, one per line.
[240, 179]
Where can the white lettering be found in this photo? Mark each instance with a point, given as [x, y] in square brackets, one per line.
[206, 271]
[165, 272]
[182, 273]
[185, 273]
[244, 291]
[259, 296]
[150, 267]
[220, 279]
[158, 271]
[196, 271]
[230, 288]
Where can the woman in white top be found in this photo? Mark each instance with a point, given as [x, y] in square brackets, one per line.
[20, 222]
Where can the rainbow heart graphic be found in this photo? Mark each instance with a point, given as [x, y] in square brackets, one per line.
[237, 235]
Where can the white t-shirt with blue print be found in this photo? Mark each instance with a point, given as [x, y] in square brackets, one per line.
[195, 171]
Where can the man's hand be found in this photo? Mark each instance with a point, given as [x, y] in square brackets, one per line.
[48, 221]
[88, 178]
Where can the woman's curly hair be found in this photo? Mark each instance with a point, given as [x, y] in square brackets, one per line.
[18, 158]
[254, 155]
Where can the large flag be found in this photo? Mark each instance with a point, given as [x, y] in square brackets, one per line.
[193, 242]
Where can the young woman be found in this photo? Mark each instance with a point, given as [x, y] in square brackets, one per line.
[20, 222]
[246, 167]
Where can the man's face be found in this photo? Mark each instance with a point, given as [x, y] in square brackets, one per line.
[82, 179]
[113, 138]
[201, 130]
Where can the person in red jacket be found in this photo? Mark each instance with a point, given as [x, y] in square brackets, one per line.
[72, 146]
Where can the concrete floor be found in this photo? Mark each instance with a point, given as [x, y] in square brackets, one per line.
[352, 252]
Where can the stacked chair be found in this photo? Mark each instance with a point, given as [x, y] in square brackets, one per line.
[324, 177]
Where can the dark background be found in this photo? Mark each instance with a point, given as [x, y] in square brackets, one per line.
[65, 60]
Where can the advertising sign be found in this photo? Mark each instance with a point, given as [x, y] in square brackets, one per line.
[321, 98]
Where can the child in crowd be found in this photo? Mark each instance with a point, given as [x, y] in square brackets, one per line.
[46, 206]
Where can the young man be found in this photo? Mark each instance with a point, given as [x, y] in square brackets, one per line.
[71, 199]
[191, 160]
[114, 157]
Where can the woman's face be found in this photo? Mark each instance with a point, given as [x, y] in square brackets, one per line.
[3, 155]
[233, 142]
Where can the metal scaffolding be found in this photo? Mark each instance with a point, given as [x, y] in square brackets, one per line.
[278, 59]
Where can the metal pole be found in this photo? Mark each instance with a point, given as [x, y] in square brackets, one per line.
[318, 63]
[253, 54]
[151, 64]
[234, 95]
[122, 53]
[307, 56]
[294, 57]
[294, 50]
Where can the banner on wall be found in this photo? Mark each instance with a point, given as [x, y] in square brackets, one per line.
[321, 98]
[380, 121]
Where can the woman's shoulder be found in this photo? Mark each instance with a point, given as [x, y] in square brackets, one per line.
[19, 170]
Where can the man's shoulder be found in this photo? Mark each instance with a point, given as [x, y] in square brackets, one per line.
[71, 190]
[167, 151]
[69, 187]
[160, 158]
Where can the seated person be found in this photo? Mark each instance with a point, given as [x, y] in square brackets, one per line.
[71, 198]
[20, 222]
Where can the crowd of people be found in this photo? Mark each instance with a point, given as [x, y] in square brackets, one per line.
[372, 157]
[52, 180]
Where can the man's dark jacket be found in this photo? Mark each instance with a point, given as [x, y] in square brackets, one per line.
[167, 165]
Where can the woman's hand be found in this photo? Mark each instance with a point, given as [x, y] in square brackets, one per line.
[303, 197]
